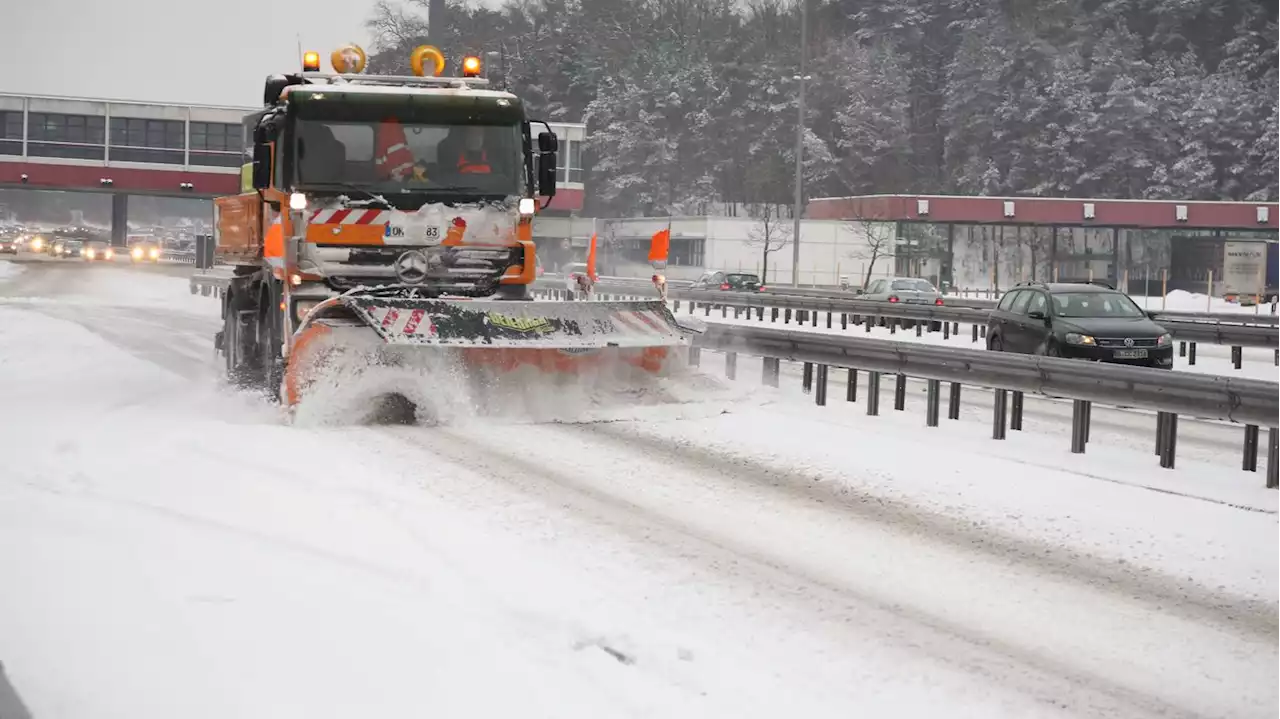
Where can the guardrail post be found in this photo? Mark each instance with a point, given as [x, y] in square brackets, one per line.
[695, 356]
[1237, 356]
[1169, 448]
[1191, 354]
[769, 371]
[1277, 359]
[807, 380]
[1250, 463]
[844, 322]
[731, 365]
[820, 396]
[773, 315]
[1079, 425]
[1182, 348]
[873, 394]
[693, 306]
[975, 333]
[1159, 432]
[814, 315]
[724, 311]
[893, 326]
[786, 317]
[676, 306]
[934, 389]
[851, 391]
[953, 401]
[828, 320]
[999, 413]
[866, 325]
[919, 330]
[900, 392]
[946, 330]
[706, 309]
[737, 312]
[1015, 417]
[955, 328]
[1273, 459]
[983, 330]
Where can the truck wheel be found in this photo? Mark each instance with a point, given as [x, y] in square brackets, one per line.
[239, 341]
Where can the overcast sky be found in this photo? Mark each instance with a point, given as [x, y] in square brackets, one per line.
[213, 53]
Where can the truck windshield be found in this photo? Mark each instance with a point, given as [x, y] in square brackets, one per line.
[390, 156]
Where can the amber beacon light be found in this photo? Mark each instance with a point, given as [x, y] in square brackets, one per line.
[311, 61]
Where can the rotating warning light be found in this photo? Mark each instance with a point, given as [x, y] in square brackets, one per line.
[470, 66]
[349, 58]
[311, 61]
[424, 58]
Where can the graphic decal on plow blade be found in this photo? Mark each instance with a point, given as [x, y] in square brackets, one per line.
[499, 323]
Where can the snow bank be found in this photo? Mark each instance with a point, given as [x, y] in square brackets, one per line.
[9, 270]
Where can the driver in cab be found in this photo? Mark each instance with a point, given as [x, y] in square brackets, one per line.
[473, 159]
[466, 147]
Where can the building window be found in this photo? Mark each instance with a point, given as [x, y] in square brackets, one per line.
[11, 132]
[686, 252]
[574, 162]
[52, 134]
[215, 143]
[137, 140]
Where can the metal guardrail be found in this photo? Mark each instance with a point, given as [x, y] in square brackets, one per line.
[1217, 332]
[1220, 328]
[1252, 403]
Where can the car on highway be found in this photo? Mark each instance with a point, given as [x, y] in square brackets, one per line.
[10, 245]
[144, 251]
[728, 281]
[98, 251]
[904, 290]
[1082, 321]
[67, 248]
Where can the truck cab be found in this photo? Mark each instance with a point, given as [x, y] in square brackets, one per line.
[374, 180]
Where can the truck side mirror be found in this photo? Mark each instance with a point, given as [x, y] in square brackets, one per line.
[547, 173]
[261, 165]
[548, 142]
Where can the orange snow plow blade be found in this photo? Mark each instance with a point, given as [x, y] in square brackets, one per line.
[407, 345]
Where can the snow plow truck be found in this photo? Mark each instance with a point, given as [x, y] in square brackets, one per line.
[385, 222]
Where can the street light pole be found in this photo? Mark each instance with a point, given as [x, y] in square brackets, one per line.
[796, 209]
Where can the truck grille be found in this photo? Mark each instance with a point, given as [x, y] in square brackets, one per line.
[465, 271]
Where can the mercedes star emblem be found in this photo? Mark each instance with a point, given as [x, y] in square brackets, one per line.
[411, 267]
[1128, 341]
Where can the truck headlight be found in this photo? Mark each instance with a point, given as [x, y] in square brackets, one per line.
[1076, 338]
[154, 254]
[297, 201]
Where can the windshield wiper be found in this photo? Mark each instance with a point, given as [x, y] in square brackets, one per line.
[348, 190]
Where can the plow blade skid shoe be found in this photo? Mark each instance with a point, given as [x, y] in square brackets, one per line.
[513, 324]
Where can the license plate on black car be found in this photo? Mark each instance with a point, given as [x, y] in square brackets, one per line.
[1131, 354]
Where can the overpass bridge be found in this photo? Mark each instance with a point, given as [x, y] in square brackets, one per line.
[124, 147]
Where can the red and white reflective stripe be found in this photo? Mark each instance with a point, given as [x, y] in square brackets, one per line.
[643, 321]
[415, 318]
[394, 322]
[350, 217]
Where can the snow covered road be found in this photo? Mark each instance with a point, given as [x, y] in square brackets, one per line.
[171, 548]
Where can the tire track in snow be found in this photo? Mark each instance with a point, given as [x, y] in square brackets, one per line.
[1167, 594]
[776, 576]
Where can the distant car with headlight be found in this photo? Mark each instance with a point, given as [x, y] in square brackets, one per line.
[144, 251]
[97, 251]
[10, 245]
[68, 248]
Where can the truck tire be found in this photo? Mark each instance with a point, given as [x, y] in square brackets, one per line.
[239, 341]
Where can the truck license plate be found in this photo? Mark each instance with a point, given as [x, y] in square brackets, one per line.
[1131, 354]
